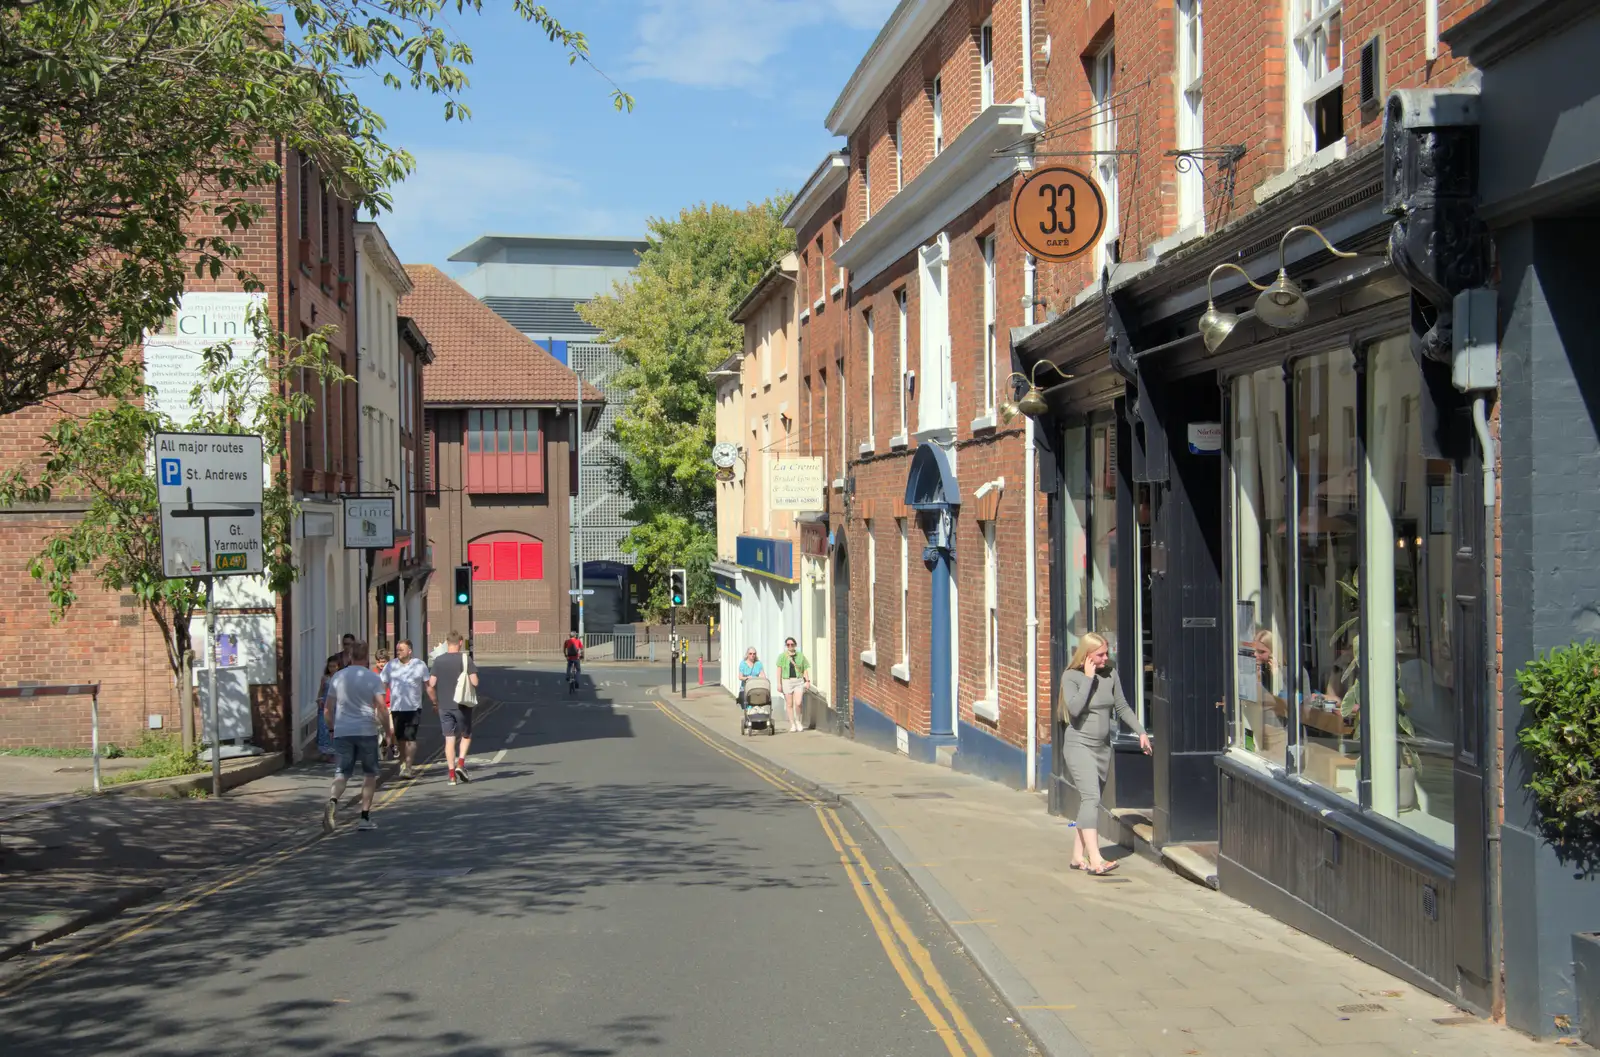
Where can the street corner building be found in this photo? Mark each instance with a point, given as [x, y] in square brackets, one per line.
[1246, 337]
[500, 425]
[302, 250]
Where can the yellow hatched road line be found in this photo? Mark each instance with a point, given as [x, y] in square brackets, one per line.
[888, 924]
[157, 914]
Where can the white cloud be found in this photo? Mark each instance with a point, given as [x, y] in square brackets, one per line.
[731, 43]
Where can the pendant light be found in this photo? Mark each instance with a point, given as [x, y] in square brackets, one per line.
[1215, 324]
[1283, 303]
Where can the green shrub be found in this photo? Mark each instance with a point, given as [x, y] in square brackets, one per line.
[1561, 692]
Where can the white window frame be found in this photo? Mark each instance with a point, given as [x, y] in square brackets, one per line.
[838, 244]
[938, 116]
[1103, 89]
[991, 343]
[986, 65]
[1188, 73]
[872, 422]
[844, 426]
[935, 400]
[872, 594]
[866, 183]
[1310, 78]
[991, 607]
[899, 157]
[902, 367]
[903, 669]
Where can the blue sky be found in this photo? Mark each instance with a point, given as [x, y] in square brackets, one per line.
[731, 96]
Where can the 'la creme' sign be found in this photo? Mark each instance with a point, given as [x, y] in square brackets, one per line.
[1058, 213]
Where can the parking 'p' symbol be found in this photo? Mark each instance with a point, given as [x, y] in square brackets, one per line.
[171, 472]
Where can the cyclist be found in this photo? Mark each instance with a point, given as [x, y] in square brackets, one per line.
[573, 648]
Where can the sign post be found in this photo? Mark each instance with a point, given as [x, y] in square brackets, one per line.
[208, 486]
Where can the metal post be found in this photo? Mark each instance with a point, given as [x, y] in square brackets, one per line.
[577, 439]
[211, 690]
[685, 655]
[94, 733]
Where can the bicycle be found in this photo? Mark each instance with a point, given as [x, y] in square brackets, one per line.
[574, 669]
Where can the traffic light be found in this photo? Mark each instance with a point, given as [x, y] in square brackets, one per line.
[463, 585]
[388, 596]
[679, 587]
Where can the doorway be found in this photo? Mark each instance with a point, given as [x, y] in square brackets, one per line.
[842, 710]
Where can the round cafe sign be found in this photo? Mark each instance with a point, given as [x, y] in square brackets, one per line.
[1058, 213]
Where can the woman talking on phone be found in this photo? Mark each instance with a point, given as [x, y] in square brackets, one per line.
[1089, 697]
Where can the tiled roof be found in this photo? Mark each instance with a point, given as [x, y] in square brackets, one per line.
[477, 356]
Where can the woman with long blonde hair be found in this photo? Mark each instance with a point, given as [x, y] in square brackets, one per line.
[1090, 696]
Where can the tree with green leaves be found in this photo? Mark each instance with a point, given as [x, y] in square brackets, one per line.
[136, 137]
[102, 458]
[670, 326]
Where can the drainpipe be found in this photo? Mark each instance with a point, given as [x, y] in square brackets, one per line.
[1031, 574]
[1027, 54]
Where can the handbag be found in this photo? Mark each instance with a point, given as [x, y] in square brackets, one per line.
[466, 694]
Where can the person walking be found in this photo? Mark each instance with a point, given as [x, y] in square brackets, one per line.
[325, 736]
[1089, 698]
[794, 675]
[407, 678]
[748, 668]
[356, 716]
[454, 686]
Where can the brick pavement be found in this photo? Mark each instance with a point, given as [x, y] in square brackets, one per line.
[1138, 964]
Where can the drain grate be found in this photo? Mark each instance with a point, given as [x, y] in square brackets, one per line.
[922, 796]
[1362, 1007]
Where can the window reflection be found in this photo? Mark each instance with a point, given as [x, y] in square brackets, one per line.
[1326, 492]
[1103, 530]
[1262, 626]
[1075, 512]
[1409, 598]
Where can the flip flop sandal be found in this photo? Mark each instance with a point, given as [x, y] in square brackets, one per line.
[1105, 868]
[1074, 865]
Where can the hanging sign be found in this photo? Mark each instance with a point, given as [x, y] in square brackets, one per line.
[368, 522]
[1205, 438]
[1058, 213]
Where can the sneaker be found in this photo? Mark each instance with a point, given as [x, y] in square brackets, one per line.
[452, 778]
[461, 771]
[366, 825]
[328, 815]
[405, 770]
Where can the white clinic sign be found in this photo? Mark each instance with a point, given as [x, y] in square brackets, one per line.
[209, 487]
[369, 523]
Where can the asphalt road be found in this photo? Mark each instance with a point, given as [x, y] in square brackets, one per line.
[609, 883]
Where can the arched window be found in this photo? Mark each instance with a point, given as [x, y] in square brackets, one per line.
[506, 556]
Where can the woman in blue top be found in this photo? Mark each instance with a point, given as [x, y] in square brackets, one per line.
[751, 665]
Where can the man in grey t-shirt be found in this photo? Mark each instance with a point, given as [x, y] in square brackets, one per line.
[355, 715]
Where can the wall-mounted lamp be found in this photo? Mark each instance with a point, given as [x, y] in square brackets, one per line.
[1216, 325]
[1283, 304]
[1033, 403]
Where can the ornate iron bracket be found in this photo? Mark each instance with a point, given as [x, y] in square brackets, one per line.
[1224, 163]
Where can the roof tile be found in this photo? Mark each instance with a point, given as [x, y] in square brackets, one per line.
[477, 356]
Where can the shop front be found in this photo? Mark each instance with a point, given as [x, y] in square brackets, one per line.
[1282, 537]
[769, 597]
[730, 624]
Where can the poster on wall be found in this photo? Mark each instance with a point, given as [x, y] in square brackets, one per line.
[172, 353]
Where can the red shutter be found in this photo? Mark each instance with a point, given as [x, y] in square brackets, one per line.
[505, 561]
[533, 561]
[480, 557]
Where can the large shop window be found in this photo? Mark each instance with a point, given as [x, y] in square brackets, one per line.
[1304, 594]
[506, 556]
[504, 451]
[1089, 504]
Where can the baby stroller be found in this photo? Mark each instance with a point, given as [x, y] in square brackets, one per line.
[755, 705]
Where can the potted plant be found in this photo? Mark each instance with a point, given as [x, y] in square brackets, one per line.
[1561, 735]
[1350, 703]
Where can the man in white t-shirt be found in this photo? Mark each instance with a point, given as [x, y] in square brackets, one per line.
[355, 715]
[407, 679]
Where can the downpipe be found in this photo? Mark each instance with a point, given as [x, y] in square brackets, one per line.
[1030, 567]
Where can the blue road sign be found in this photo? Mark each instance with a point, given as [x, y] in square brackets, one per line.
[171, 472]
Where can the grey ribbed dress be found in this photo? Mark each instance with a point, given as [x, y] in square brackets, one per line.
[1086, 709]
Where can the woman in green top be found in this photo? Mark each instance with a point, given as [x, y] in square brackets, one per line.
[794, 675]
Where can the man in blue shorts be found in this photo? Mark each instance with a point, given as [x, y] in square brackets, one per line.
[355, 715]
[450, 669]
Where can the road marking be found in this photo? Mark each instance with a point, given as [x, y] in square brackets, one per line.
[498, 757]
[156, 915]
[862, 877]
[510, 736]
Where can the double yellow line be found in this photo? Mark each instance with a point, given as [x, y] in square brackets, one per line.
[906, 953]
[156, 915]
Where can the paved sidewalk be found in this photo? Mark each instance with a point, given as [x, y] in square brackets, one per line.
[1138, 963]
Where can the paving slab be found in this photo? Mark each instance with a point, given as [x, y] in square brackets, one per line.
[1070, 951]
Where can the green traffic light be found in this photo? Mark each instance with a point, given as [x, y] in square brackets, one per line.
[461, 598]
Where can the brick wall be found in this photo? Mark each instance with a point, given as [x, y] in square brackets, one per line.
[106, 638]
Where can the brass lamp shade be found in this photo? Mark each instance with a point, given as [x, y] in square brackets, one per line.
[1283, 304]
[1215, 326]
[1033, 403]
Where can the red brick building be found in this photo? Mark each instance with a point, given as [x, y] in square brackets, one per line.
[301, 251]
[1224, 495]
[498, 470]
